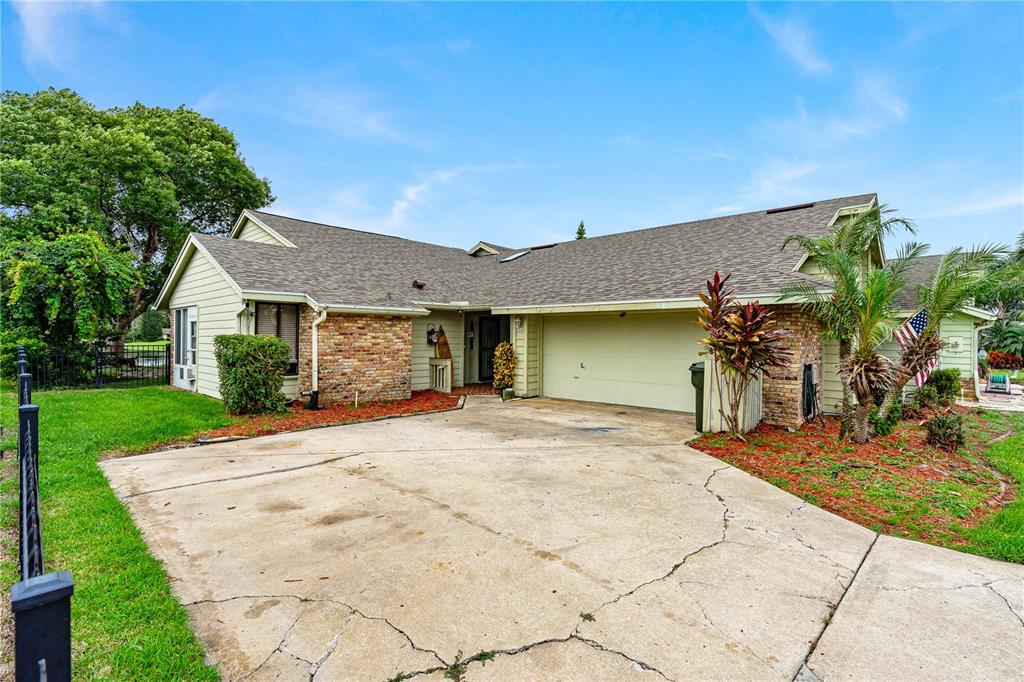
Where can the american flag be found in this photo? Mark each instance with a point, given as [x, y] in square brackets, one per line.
[905, 336]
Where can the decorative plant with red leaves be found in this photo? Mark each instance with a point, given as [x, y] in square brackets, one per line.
[743, 341]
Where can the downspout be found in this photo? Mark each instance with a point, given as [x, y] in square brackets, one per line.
[243, 329]
[977, 346]
[314, 393]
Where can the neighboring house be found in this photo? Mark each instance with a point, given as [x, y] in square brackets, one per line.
[608, 319]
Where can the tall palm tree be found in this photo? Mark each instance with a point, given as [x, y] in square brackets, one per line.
[841, 257]
[866, 372]
[951, 288]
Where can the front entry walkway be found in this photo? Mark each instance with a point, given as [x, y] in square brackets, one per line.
[547, 540]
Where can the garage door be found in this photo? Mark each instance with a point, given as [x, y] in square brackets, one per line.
[640, 359]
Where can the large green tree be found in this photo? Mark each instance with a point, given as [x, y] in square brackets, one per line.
[142, 177]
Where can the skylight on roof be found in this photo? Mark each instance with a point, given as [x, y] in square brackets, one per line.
[513, 256]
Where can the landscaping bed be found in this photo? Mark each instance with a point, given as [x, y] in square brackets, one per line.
[298, 418]
[899, 484]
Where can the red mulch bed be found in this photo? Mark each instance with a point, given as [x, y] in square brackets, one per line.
[298, 418]
[898, 484]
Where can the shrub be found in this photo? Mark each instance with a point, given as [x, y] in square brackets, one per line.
[946, 431]
[926, 396]
[251, 372]
[504, 365]
[883, 426]
[947, 385]
[983, 368]
[1000, 360]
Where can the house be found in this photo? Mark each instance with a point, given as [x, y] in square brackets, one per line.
[608, 319]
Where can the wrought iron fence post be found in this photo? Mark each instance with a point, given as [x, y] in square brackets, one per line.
[167, 363]
[99, 378]
[22, 360]
[42, 627]
[24, 388]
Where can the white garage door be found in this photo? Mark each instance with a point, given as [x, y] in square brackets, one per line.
[640, 359]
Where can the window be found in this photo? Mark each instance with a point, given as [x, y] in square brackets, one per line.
[281, 320]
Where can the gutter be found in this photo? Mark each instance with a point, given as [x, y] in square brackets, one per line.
[314, 394]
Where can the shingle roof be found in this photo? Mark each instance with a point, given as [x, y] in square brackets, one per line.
[918, 272]
[341, 266]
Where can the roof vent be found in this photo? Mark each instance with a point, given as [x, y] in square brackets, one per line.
[513, 256]
[542, 246]
[416, 284]
[786, 209]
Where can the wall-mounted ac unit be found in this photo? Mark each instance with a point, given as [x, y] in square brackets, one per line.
[191, 373]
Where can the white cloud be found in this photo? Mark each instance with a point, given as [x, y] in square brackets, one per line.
[794, 39]
[778, 180]
[48, 35]
[874, 106]
[346, 114]
[418, 193]
[980, 203]
[459, 46]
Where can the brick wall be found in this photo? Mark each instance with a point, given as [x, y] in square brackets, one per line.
[782, 394]
[368, 354]
[967, 386]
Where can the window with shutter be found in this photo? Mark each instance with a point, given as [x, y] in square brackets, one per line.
[281, 320]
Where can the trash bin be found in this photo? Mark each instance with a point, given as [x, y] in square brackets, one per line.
[697, 379]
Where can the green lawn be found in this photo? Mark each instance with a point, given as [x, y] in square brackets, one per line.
[1016, 375]
[1001, 536]
[126, 623]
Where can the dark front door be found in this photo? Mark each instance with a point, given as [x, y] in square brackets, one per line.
[490, 337]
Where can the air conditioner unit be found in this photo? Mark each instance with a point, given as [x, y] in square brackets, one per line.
[191, 373]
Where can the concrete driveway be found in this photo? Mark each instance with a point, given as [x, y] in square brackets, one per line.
[573, 541]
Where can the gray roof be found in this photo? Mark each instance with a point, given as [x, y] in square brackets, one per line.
[918, 272]
[335, 265]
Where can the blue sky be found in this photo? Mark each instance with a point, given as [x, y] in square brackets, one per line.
[457, 122]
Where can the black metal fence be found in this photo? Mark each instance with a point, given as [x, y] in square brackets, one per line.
[41, 602]
[101, 366]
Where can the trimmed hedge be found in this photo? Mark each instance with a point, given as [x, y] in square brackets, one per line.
[947, 385]
[251, 372]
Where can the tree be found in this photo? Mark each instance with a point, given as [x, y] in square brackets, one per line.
[143, 177]
[64, 290]
[743, 342]
[841, 258]
[149, 326]
[1002, 287]
[581, 231]
[946, 293]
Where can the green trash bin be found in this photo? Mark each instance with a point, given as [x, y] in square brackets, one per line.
[697, 379]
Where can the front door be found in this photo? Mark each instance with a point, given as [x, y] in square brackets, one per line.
[490, 337]
[184, 374]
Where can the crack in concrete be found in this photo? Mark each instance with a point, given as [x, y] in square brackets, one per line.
[354, 610]
[331, 646]
[675, 567]
[276, 649]
[1003, 597]
[243, 476]
[635, 661]
[828, 620]
[729, 637]
[985, 585]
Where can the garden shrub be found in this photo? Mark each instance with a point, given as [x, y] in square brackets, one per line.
[946, 431]
[883, 427]
[947, 385]
[926, 396]
[1000, 360]
[504, 365]
[251, 372]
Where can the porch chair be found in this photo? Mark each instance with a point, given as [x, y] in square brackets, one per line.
[999, 383]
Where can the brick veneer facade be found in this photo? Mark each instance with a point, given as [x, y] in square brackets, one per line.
[366, 354]
[782, 392]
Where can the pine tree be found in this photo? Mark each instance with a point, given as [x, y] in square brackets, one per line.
[581, 231]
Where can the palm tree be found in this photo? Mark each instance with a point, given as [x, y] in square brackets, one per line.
[865, 371]
[947, 292]
[840, 255]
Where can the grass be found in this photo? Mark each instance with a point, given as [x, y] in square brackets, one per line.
[126, 623]
[1016, 375]
[148, 344]
[900, 485]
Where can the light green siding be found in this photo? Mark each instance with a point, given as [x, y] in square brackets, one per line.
[204, 286]
[254, 233]
[961, 349]
[452, 322]
[640, 359]
[526, 339]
